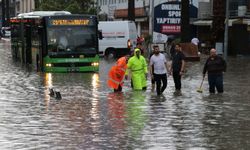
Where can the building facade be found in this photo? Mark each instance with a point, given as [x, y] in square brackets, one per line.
[11, 12]
[211, 19]
[16, 7]
[24, 6]
[239, 27]
[118, 10]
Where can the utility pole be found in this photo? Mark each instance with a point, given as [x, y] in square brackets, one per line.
[7, 13]
[151, 17]
[131, 10]
[3, 13]
[151, 25]
[226, 30]
[185, 27]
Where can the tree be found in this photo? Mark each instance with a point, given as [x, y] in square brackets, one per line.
[218, 26]
[73, 6]
[185, 27]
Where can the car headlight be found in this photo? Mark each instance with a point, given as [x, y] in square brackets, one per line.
[48, 65]
[95, 64]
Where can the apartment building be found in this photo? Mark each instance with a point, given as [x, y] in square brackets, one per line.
[24, 6]
[11, 8]
[211, 22]
[239, 27]
[118, 10]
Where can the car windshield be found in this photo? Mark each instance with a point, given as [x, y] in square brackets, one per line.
[74, 40]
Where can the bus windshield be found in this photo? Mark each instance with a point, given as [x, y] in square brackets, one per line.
[71, 40]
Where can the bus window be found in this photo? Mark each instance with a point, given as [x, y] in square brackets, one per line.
[72, 40]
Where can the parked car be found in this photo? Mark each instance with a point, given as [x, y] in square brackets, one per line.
[5, 32]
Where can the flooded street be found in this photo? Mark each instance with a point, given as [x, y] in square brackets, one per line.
[90, 116]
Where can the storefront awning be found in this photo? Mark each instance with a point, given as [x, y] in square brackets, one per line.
[246, 21]
[210, 22]
[203, 23]
[231, 21]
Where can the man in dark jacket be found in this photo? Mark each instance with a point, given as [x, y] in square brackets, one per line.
[177, 68]
[215, 66]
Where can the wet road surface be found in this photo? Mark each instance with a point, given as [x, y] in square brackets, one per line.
[91, 116]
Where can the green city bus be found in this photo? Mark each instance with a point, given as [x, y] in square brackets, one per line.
[56, 41]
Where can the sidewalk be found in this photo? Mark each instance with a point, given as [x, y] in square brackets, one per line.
[5, 39]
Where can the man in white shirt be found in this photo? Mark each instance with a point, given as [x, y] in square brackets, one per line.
[159, 69]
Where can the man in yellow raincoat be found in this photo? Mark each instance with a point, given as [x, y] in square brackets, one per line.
[137, 65]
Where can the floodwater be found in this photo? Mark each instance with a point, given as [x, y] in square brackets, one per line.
[90, 116]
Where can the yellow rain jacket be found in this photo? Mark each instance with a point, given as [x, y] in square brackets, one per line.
[138, 68]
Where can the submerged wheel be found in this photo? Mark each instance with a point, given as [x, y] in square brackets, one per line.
[110, 54]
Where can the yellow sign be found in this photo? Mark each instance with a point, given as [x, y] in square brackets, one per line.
[70, 22]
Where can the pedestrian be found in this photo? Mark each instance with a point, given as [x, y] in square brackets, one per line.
[158, 69]
[152, 71]
[139, 45]
[117, 73]
[196, 42]
[170, 48]
[215, 66]
[177, 67]
[137, 65]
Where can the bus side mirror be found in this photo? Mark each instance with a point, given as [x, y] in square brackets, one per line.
[100, 34]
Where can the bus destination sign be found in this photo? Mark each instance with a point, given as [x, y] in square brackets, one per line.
[63, 22]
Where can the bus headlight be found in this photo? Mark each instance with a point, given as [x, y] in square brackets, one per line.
[95, 64]
[48, 65]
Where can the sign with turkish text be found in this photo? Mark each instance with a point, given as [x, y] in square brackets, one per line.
[167, 19]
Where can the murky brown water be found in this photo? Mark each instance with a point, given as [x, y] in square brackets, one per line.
[91, 116]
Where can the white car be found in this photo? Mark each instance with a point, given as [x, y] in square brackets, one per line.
[5, 32]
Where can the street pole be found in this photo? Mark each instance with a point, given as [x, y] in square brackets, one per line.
[185, 26]
[3, 13]
[7, 13]
[151, 17]
[226, 30]
[131, 10]
[151, 22]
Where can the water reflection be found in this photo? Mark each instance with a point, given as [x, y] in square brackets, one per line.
[95, 84]
[135, 112]
[117, 111]
[91, 116]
